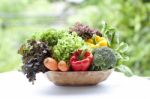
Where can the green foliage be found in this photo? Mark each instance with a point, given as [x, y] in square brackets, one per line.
[120, 48]
[17, 23]
[124, 69]
[11, 6]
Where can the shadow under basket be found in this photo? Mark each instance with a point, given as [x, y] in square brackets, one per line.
[78, 78]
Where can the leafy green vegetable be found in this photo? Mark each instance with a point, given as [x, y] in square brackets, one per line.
[84, 31]
[111, 35]
[33, 53]
[126, 70]
[60, 42]
[51, 36]
[120, 48]
[66, 46]
[104, 58]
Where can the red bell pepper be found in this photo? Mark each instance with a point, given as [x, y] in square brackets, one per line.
[81, 60]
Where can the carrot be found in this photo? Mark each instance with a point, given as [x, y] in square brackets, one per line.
[51, 64]
[62, 66]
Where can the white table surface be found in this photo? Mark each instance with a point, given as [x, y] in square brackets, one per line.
[14, 85]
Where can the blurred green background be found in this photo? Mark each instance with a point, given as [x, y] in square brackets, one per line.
[20, 18]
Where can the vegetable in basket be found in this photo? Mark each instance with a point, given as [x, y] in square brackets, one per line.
[81, 60]
[34, 52]
[104, 58]
[66, 46]
[96, 42]
[84, 31]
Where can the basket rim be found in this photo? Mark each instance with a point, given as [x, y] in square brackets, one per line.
[80, 71]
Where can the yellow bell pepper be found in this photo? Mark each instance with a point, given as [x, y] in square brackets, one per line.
[90, 44]
[97, 38]
[103, 43]
[90, 41]
[96, 42]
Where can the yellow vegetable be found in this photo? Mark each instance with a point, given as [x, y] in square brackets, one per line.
[102, 38]
[91, 45]
[103, 43]
[89, 40]
[96, 42]
[97, 38]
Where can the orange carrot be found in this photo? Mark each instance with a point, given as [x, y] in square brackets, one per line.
[51, 64]
[62, 66]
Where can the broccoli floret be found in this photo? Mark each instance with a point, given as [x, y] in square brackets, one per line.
[104, 58]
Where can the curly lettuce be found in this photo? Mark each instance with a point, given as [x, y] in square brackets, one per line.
[66, 46]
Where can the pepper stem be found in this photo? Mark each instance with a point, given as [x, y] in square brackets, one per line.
[81, 56]
[94, 39]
